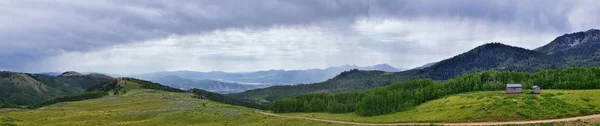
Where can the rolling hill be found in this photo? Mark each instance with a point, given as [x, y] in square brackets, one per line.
[123, 85]
[130, 101]
[26, 89]
[495, 56]
[145, 107]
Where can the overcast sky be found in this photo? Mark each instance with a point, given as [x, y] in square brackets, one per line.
[138, 36]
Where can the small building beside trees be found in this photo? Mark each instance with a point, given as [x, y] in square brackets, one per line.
[514, 88]
[536, 90]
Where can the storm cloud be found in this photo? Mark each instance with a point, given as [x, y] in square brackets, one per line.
[232, 35]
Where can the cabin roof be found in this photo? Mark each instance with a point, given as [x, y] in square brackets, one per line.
[514, 85]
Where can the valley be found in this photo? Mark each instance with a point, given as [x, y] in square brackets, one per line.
[235, 82]
[299, 63]
[462, 90]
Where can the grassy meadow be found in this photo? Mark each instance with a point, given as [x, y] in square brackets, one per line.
[487, 106]
[153, 107]
[144, 107]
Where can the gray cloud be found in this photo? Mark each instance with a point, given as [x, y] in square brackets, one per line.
[32, 31]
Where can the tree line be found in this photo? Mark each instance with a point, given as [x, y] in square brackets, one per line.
[68, 98]
[203, 94]
[8, 105]
[402, 96]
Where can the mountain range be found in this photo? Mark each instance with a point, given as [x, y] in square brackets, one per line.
[223, 82]
[210, 85]
[581, 49]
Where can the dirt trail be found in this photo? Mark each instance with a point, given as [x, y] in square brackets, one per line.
[597, 116]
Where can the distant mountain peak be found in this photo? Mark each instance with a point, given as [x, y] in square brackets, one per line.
[593, 30]
[348, 65]
[70, 73]
[383, 64]
[380, 67]
[384, 67]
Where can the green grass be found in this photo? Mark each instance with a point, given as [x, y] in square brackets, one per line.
[488, 106]
[144, 107]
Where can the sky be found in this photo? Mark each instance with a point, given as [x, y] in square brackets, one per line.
[140, 36]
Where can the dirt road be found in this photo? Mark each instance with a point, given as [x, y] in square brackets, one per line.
[597, 116]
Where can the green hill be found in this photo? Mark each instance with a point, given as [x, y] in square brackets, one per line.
[120, 86]
[26, 89]
[116, 86]
[145, 107]
[124, 84]
[487, 106]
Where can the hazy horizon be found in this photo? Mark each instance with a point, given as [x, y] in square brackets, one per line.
[141, 73]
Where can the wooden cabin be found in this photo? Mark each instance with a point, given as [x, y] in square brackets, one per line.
[514, 88]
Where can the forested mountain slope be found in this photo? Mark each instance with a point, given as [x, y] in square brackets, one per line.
[571, 42]
[576, 49]
[488, 56]
[25, 89]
